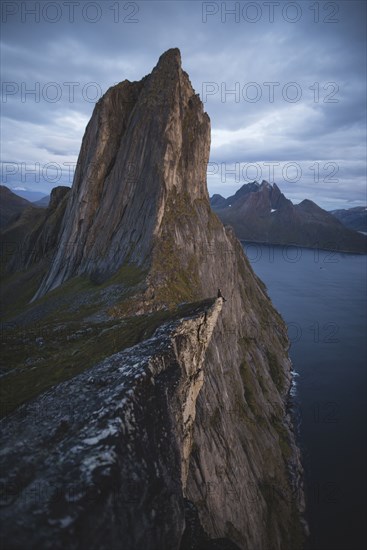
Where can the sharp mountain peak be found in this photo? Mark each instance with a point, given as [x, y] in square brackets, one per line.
[146, 142]
[138, 236]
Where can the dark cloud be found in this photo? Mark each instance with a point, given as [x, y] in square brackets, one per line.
[69, 61]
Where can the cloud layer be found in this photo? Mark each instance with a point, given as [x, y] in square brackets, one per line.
[283, 84]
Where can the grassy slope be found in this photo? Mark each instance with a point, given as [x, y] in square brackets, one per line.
[68, 331]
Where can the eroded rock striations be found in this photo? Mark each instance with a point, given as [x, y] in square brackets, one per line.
[194, 420]
[111, 447]
[144, 141]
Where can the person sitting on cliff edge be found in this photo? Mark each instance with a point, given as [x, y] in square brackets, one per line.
[219, 295]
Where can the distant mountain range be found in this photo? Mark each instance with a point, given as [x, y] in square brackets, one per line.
[11, 205]
[261, 213]
[28, 194]
[29, 227]
[354, 218]
[257, 212]
[44, 202]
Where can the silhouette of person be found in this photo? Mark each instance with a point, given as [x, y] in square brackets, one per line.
[220, 295]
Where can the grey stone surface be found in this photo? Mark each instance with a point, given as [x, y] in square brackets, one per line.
[210, 423]
[139, 139]
[97, 461]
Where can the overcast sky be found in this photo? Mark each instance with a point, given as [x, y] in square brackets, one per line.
[296, 70]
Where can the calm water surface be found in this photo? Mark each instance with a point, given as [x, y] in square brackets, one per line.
[323, 298]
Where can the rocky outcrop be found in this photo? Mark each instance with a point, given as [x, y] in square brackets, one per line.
[144, 140]
[261, 213]
[229, 459]
[33, 236]
[103, 458]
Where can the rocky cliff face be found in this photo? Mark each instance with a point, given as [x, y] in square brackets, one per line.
[145, 141]
[112, 447]
[211, 413]
[263, 214]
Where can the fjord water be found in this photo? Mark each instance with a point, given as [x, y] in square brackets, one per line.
[322, 297]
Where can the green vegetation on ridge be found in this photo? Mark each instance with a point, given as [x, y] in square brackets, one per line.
[36, 357]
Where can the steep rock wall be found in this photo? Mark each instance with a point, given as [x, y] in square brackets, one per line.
[144, 140]
[245, 472]
[100, 460]
[239, 465]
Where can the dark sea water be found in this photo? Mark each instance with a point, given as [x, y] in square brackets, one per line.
[323, 298]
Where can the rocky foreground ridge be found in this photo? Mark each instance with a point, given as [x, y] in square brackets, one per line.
[111, 446]
[179, 435]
